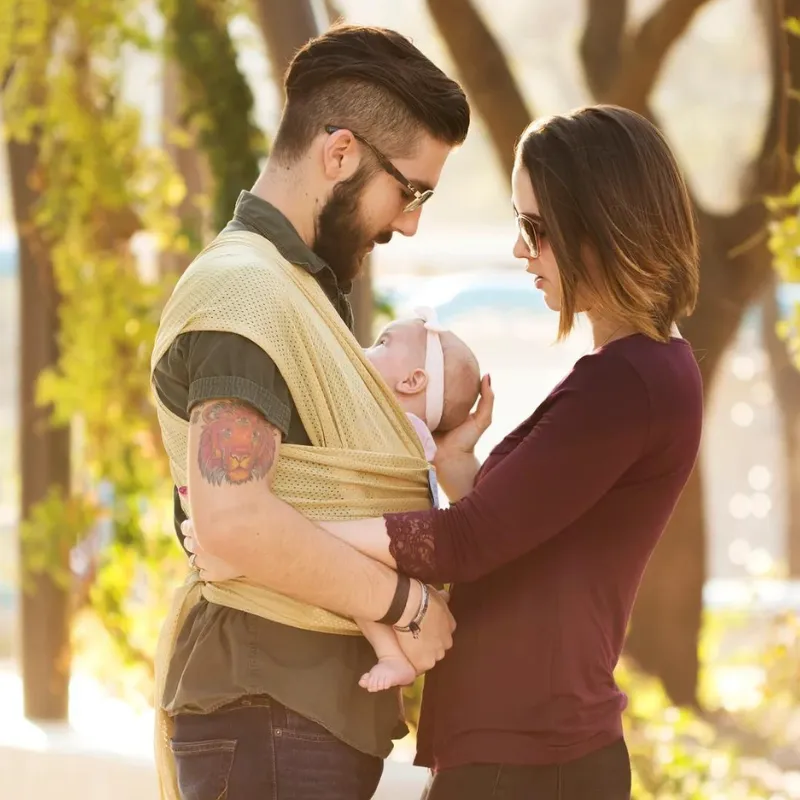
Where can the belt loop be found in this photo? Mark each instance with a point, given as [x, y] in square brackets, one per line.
[278, 714]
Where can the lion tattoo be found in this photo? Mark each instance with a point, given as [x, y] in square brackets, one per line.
[236, 443]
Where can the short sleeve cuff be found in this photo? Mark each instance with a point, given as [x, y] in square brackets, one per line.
[275, 411]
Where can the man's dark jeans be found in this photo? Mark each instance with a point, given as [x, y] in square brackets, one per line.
[257, 749]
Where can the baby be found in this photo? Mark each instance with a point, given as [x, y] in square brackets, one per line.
[436, 379]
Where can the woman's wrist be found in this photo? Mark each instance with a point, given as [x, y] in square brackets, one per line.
[414, 626]
[456, 472]
[450, 455]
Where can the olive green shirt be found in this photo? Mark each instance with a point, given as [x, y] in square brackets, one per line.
[223, 655]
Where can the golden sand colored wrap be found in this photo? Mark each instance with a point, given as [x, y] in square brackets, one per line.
[365, 459]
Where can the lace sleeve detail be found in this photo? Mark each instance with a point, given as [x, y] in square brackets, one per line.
[412, 543]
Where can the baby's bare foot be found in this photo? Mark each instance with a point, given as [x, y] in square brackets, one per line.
[389, 671]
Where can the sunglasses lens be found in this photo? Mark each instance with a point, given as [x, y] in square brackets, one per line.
[529, 236]
[417, 202]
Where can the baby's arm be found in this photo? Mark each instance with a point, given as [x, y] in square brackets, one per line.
[393, 668]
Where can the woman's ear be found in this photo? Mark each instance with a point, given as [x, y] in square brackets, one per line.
[414, 383]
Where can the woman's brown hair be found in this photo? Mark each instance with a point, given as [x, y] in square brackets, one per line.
[617, 214]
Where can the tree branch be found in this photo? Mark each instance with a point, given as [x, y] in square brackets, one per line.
[333, 11]
[643, 52]
[6, 78]
[772, 172]
[485, 73]
[286, 27]
[600, 43]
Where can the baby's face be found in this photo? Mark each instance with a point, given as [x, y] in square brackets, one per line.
[399, 350]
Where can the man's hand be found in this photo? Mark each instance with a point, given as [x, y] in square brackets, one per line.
[211, 569]
[435, 635]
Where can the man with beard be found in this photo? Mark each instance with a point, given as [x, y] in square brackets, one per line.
[258, 708]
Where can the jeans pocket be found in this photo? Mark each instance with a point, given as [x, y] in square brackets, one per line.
[301, 728]
[204, 768]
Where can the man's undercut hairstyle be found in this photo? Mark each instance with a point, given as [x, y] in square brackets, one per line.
[374, 82]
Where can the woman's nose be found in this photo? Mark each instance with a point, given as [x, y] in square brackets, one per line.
[520, 248]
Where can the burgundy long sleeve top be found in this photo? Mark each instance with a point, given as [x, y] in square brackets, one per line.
[546, 554]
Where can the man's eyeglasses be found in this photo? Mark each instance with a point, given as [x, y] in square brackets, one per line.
[420, 196]
[530, 229]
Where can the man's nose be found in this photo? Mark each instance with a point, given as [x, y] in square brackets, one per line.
[407, 224]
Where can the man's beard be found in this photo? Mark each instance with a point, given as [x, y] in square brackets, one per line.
[341, 240]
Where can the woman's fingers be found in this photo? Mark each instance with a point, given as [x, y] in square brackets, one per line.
[483, 412]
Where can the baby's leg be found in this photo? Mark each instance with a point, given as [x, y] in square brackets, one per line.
[393, 668]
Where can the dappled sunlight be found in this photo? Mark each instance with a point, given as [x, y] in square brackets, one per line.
[737, 688]
[93, 713]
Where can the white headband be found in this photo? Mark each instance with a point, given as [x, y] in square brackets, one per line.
[434, 367]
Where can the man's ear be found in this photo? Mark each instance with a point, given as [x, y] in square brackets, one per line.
[414, 383]
[340, 156]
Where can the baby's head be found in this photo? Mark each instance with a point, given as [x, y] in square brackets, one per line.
[416, 376]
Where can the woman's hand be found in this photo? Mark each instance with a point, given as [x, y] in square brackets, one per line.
[211, 569]
[435, 634]
[455, 462]
[462, 440]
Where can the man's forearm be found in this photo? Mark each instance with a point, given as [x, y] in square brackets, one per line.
[276, 546]
[231, 458]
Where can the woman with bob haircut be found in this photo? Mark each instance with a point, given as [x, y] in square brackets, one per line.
[547, 541]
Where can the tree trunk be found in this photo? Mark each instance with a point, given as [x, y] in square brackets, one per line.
[193, 169]
[44, 456]
[786, 381]
[485, 73]
[735, 264]
[286, 28]
[217, 101]
[335, 14]
[670, 601]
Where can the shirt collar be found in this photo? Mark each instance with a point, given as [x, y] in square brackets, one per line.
[262, 217]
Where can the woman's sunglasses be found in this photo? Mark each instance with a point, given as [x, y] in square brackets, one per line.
[531, 231]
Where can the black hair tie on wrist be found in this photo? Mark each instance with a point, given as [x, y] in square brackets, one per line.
[398, 605]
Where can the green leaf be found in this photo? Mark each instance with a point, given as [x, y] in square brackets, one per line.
[792, 25]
